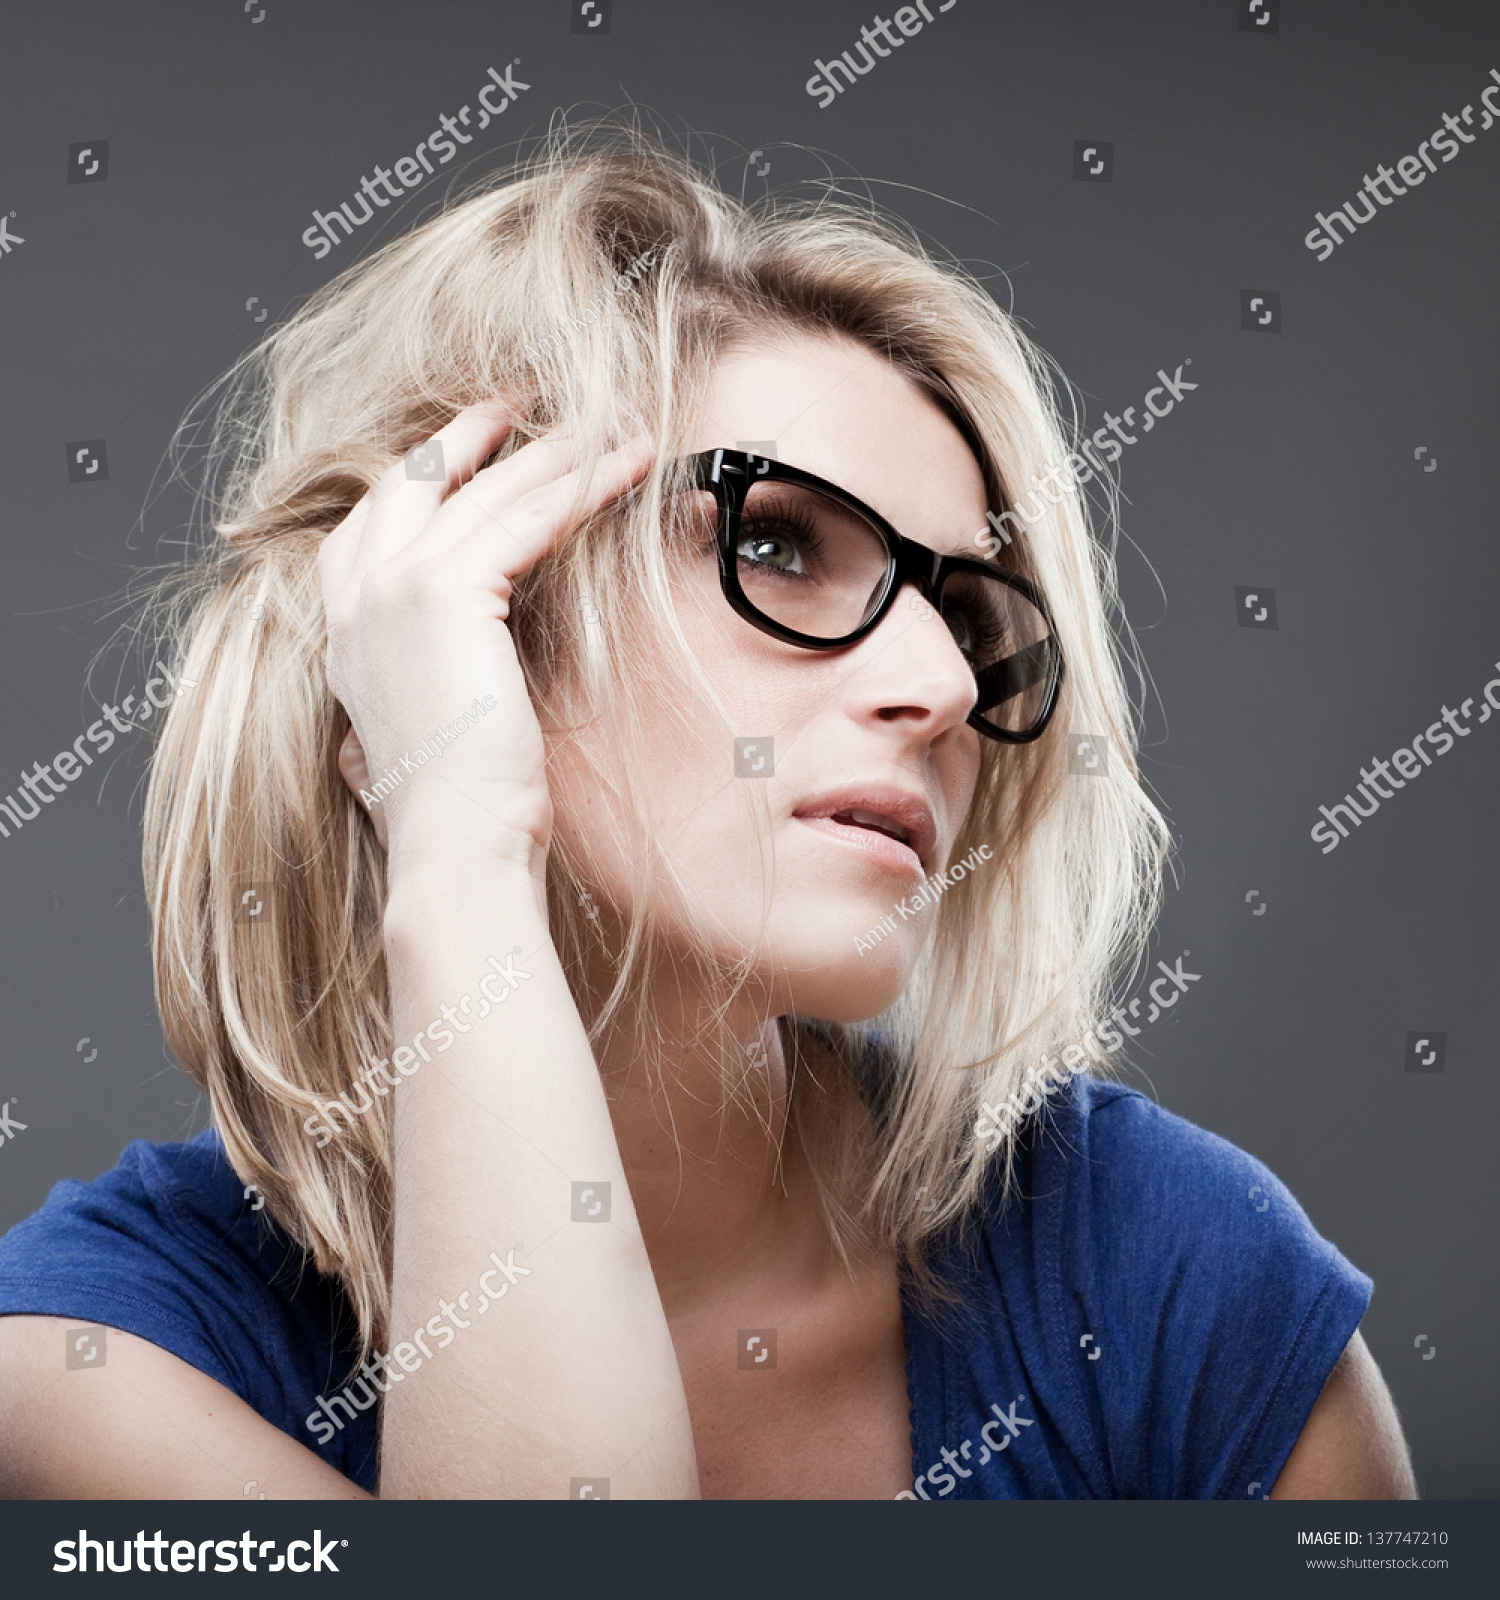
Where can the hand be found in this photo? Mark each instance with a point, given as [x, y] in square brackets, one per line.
[417, 583]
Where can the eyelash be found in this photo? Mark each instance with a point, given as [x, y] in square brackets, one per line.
[781, 523]
[791, 522]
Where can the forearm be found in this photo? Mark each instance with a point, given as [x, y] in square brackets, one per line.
[572, 1372]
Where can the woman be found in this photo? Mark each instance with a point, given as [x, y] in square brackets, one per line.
[595, 676]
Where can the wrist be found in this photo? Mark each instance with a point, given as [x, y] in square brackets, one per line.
[440, 897]
[441, 836]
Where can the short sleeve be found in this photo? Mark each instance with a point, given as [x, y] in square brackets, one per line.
[168, 1247]
[1217, 1309]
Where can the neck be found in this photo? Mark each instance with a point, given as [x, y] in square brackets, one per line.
[702, 1116]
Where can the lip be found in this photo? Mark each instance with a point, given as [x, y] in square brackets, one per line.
[909, 811]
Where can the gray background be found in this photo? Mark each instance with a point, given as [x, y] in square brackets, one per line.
[1292, 466]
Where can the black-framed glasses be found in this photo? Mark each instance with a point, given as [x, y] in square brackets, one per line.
[804, 561]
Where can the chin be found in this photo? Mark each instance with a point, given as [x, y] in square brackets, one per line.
[842, 985]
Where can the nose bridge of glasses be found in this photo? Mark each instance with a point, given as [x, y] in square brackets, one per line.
[915, 563]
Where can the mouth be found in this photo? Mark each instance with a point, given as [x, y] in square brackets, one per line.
[891, 825]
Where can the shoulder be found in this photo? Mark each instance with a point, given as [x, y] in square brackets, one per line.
[170, 1246]
[1188, 1302]
[1110, 1150]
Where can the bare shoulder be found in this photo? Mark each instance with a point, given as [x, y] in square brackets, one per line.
[1351, 1447]
[142, 1425]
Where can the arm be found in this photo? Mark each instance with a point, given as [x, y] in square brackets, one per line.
[573, 1373]
[147, 1426]
[1351, 1447]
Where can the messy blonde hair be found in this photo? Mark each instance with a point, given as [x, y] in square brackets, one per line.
[514, 289]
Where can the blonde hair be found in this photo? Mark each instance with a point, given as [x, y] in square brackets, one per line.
[523, 288]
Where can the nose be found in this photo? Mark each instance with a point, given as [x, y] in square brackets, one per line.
[911, 669]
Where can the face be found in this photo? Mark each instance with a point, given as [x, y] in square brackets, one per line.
[862, 742]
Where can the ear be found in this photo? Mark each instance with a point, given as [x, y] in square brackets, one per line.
[355, 771]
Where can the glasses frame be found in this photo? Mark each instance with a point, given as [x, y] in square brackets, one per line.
[729, 476]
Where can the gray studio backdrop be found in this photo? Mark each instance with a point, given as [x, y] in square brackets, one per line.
[1308, 550]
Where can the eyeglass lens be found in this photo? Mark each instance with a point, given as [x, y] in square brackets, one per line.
[816, 566]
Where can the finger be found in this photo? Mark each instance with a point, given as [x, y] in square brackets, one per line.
[403, 505]
[491, 498]
[503, 547]
[339, 550]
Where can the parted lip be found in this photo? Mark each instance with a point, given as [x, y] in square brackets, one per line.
[897, 810]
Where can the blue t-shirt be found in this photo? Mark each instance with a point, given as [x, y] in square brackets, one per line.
[1151, 1316]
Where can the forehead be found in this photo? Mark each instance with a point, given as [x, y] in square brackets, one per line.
[835, 408]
